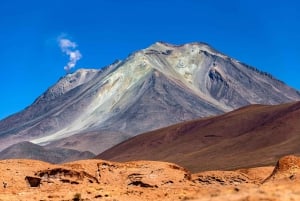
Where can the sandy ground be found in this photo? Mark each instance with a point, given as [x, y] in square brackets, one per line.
[146, 180]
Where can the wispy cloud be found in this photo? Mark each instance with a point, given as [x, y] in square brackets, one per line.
[69, 48]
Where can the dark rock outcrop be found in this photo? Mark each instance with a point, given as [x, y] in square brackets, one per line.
[33, 181]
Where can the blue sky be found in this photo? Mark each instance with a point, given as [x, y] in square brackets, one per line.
[264, 34]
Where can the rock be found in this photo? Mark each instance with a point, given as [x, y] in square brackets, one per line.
[65, 176]
[287, 167]
[288, 164]
[33, 181]
[221, 177]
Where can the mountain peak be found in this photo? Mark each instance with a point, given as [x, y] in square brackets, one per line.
[166, 44]
[154, 87]
[188, 48]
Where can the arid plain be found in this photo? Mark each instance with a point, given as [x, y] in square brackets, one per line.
[146, 180]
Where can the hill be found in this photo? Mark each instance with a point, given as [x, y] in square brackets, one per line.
[251, 136]
[28, 150]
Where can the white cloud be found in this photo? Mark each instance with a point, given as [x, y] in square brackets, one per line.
[69, 48]
[66, 43]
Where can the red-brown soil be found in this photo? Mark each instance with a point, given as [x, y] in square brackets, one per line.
[252, 136]
[146, 180]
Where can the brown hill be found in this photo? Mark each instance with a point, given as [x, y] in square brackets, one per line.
[28, 150]
[256, 135]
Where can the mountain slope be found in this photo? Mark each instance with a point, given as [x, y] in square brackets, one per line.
[29, 150]
[153, 88]
[251, 136]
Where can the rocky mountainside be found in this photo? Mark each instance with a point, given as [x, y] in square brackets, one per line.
[252, 136]
[153, 88]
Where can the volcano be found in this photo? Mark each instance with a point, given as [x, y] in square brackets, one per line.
[95, 109]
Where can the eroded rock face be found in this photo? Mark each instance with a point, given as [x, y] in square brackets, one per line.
[65, 176]
[140, 180]
[288, 164]
[222, 178]
[142, 173]
[287, 168]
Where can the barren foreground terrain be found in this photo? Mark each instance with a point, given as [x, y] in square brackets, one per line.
[145, 180]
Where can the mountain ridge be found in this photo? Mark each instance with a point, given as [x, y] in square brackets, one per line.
[201, 80]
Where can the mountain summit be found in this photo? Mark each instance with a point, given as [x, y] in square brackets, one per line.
[153, 88]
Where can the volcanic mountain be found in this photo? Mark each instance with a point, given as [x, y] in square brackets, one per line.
[164, 84]
[252, 136]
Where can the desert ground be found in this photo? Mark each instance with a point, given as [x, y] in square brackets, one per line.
[146, 180]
